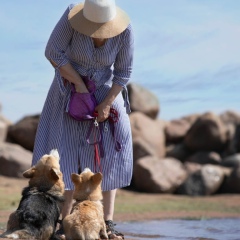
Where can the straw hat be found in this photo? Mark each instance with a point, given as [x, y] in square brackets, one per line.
[98, 18]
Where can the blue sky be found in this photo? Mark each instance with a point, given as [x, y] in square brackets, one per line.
[187, 52]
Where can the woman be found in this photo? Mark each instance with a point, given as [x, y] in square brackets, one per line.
[93, 39]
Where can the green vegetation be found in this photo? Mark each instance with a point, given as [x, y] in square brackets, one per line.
[141, 203]
[9, 201]
[128, 202]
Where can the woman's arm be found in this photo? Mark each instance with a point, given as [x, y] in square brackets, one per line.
[103, 108]
[56, 52]
[70, 74]
[122, 72]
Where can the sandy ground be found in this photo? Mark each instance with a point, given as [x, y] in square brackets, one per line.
[12, 187]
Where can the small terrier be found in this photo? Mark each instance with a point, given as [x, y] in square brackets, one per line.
[40, 206]
[86, 219]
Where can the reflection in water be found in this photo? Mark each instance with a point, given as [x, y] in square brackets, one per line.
[206, 229]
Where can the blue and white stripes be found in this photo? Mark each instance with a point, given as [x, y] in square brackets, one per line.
[57, 130]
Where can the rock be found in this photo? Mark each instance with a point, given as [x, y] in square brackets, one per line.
[24, 131]
[178, 151]
[205, 157]
[14, 160]
[230, 117]
[151, 134]
[213, 178]
[141, 149]
[205, 181]
[234, 140]
[142, 100]
[192, 167]
[192, 118]
[232, 161]
[208, 133]
[232, 182]
[155, 175]
[176, 130]
[231, 120]
[162, 124]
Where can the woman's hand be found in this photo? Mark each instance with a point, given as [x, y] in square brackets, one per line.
[103, 111]
[103, 108]
[68, 73]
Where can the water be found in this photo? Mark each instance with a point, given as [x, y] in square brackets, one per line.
[206, 229]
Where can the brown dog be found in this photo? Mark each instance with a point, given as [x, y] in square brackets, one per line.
[41, 202]
[86, 219]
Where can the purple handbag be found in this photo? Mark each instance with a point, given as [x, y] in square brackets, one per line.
[82, 105]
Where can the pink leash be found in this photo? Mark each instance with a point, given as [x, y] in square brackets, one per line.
[95, 130]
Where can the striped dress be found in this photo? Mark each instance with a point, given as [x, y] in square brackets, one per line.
[111, 63]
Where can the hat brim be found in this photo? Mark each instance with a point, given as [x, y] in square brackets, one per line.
[98, 30]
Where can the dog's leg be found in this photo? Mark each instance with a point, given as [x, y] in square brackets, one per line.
[22, 234]
[103, 230]
[13, 223]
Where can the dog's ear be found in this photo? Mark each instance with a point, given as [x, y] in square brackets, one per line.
[75, 178]
[97, 178]
[54, 173]
[54, 152]
[29, 173]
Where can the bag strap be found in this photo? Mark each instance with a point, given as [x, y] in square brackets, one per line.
[113, 118]
[95, 129]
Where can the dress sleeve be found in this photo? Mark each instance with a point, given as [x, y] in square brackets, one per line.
[59, 40]
[124, 59]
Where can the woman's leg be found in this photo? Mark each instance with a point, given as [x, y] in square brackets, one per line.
[108, 204]
[108, 207]
[67, 207]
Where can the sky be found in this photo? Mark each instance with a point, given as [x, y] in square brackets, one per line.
[187, 52]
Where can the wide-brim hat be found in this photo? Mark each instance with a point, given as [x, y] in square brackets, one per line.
[98, 19]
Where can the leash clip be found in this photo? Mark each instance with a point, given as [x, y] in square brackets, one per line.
[96, 123]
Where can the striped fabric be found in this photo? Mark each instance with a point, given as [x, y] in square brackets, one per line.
[111, 63]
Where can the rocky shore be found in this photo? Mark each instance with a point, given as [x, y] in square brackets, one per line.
[195, 155]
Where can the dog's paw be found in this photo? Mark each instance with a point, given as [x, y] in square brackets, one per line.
[103, 235]
[11, 236]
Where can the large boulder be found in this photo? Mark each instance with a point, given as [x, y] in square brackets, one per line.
[176, 130]
[142, 100]
[14, 160]
[192, 118]
[231, 120]
[208, 133]
[234, 140]
[148, 136]
[230, 117]
[142, 149]
[24, 131]
[232, 182]
[155, 175]
[178, 151]
[232, 161]
[205, 157]
[205, 181]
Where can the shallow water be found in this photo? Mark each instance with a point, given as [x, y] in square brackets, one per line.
[205, 229]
